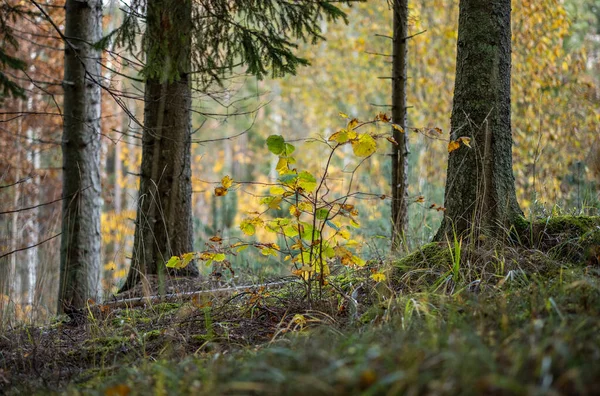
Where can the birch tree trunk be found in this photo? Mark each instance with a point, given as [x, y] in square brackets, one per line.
[80, 240]
[480, 187]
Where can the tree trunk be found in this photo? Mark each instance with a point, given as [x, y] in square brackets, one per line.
[80, 241]
[480, 187]
[163, 225]
[399, 179]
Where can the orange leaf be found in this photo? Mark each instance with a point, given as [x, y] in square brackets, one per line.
[392, 140]
[453, 145]
[220, 191]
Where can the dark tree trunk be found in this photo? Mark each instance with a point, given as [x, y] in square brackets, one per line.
[80, 240]
[399, 180]
[480, 187]
[164, 215]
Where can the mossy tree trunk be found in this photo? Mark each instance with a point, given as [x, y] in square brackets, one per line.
[163, 225]
[480, 187]
[399, 179]
[80, 239]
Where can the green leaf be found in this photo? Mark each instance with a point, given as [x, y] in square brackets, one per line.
[247, 227]
[322, 213]
[173, 262]
[288, 179]
[277, 190]
[307, 181]
[219, 257]
[288, 149]
[276, 144]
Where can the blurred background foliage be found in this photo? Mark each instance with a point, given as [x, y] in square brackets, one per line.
[556, 124]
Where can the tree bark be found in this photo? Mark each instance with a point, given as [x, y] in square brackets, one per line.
[480, 187]
[163, 225]
[80, 241]
[399, 179]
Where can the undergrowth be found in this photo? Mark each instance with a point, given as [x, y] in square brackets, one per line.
[463, 317]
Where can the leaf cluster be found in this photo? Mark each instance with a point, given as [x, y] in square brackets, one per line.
[259, 34]
[8, 43]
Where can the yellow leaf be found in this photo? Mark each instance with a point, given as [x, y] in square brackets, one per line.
[343, 115]
[294, 211]
[305, 206]
[465, 140]
[364, 146]
[358, 261]
[247, 227]
[173, 262]
[282, 165]
[185, 259]
[220, 191]
[392, 140]
[398, 128]
[227, 181]
[216, 239]
[340, 136]
[453, 145]
[206, 256]
[352, 124]
[344, 234]
[378, 277]
[274, 204]
[420, 199]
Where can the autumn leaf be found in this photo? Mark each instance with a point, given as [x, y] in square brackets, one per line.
[227, 182]
[364, 146]
[118, 390]
[352, 124]
[378, 277]
[420, 199]
[247, 227]
[392, 140]
[382, 117]
[186, 259]
[173, 262]
[453, 145]
[215, 239]
[398, 128]
[306, 181]
[343, 115]
[340, 136]
[464, 140]
[220, 191]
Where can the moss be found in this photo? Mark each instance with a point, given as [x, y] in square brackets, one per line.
[106, 341]
[152, 334]
[166, 307]
[573, 225]
[431, 254]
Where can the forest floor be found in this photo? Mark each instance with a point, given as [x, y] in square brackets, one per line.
[517, 317]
